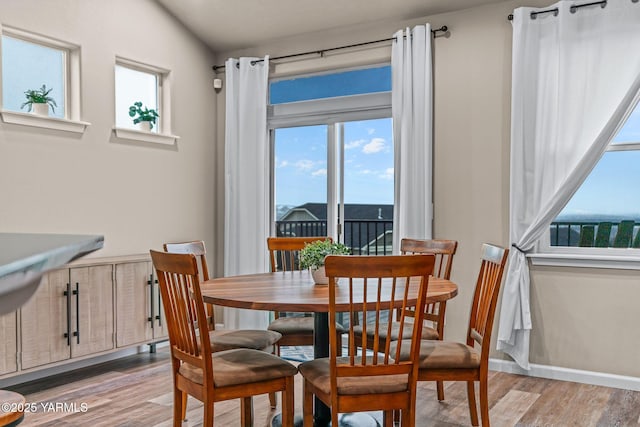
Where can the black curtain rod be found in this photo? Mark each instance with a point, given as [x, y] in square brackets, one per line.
[572, 9]
[321, 52]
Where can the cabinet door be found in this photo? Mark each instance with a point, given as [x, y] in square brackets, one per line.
[160, 330]
[133, 303]
[8, 343]
[92, 309]
[44, 322]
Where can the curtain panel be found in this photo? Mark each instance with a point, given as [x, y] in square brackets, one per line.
[246, 214]
[412, 113]
[575, 80]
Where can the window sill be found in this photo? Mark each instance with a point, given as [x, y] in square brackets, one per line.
[137, 135]
[28, 119]
[619, 262]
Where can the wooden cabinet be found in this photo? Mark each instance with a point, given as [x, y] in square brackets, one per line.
[8, 343]
[71, 315]
[138, 301]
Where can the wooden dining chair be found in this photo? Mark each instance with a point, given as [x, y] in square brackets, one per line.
[443, 251]
[225, 339]
[375, 378]
[197, 371]
[452, 361]
[284, 255]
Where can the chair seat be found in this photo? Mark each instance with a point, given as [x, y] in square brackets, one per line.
[317, 372]
[427, 332]
[296, 325]
[442, 354]
[241, 366]
[256, 339]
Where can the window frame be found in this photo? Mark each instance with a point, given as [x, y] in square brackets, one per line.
[72, 91]
[163, 90]
[572, 256]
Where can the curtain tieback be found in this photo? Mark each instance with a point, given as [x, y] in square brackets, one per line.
[513, 245]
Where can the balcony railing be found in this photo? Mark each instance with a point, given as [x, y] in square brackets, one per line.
[364, 237]
[606, 234]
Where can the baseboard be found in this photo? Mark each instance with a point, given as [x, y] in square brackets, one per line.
[567, 374]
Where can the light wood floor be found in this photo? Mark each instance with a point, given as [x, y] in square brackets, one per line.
[136, 391]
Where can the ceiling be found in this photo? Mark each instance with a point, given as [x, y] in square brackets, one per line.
[235, 24]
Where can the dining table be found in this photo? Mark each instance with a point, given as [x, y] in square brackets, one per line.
[295, 291]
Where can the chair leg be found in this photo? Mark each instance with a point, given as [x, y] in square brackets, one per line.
[339, 341]
[473, 410]
[184, 406]
[208, 415]
[288, 403]
[273, 402]
[246, 411]
[387, 418]
[178, 408]
[307, 406]
[408, 419]
[484, 401]
[440, 389]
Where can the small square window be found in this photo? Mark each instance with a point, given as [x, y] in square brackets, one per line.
[141, 86]
[47, 67]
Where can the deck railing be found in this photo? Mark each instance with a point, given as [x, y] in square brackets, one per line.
[605, 234]
[364, 237]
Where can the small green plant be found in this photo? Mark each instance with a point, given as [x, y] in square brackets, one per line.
[39, 96]
[313, 254]
[143, 114]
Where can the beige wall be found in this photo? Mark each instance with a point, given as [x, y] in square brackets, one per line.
[136, 195]
[583, 318]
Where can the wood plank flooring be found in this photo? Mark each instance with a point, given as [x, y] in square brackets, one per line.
[136, 392]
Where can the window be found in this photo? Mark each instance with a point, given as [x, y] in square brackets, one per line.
[603, 216]
[333, 157]
[136, 82]
[30, 61]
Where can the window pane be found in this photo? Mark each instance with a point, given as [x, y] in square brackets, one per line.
[630, 132]
[28, 66]
[608, 196]
[368, 186]
[301, 181]
[354, 82]
[135, 86]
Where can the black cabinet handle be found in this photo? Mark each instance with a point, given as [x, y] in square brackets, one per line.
[77, 294]
[159, 316]
[67, 294]
[150, 283]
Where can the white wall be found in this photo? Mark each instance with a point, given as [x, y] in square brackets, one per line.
[582, 318]
[137, 195]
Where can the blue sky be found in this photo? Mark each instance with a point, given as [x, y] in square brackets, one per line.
[301, 163]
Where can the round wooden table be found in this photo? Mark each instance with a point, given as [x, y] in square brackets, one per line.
[295, 291]
[12, 412]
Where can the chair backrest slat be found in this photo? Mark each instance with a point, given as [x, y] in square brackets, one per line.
[377, 286]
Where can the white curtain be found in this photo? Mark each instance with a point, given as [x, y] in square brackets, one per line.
[246, 216]
[576, 78]
[412, 112]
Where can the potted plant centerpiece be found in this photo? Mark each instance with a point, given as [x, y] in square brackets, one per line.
[39, 101]
[142, 116]
[313, 254]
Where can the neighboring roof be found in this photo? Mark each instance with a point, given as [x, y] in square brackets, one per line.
[351, 211]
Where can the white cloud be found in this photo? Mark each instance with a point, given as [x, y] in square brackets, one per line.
[281, 164]
[376, 145]
[371, 131]
[319, 172]
[354, 144]
[387, 174]
[365, 172]
[304, 164]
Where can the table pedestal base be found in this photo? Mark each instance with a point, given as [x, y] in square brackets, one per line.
[358, 419]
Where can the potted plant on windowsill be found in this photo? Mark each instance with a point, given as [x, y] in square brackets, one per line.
[142, 116]
[313, 254]
[39, 101]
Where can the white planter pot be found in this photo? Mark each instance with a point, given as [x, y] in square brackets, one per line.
[40, 109]
[144, 126]
[319, 276]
